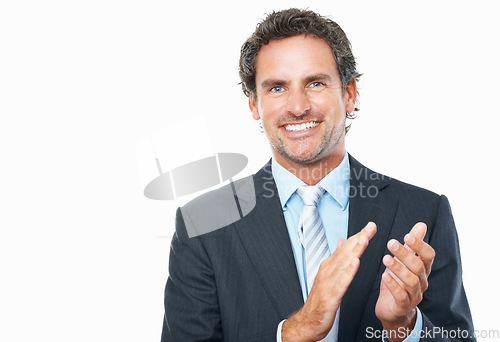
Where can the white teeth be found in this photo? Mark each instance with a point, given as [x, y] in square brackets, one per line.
[301, 127]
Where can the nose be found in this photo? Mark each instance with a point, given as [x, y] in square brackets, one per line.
[298, 102]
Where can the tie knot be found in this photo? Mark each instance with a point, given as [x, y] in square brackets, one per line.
[310, 194]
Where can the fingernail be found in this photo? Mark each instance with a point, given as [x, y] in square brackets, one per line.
[388, 260]
[393, 245]
[410, 239]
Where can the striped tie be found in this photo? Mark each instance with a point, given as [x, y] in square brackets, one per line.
[312, 234]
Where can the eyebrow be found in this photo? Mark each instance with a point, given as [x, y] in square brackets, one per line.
[318, 77]
[277, 82]
[272, 82]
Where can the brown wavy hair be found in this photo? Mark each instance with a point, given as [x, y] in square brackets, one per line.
[293, 22]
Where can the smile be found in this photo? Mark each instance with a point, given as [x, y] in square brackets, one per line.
[301, 127]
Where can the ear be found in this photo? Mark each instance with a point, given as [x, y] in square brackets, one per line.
[253, 107]
[351, 92]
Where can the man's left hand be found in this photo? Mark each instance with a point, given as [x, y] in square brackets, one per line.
[404, 282]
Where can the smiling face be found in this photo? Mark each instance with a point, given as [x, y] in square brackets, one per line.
[300, 101]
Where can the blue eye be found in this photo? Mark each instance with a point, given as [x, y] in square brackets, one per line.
[316, 84]
[277, 89]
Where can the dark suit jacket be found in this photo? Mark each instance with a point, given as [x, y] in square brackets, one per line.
[238, 282]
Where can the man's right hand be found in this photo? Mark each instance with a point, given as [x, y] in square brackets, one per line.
[315, 319]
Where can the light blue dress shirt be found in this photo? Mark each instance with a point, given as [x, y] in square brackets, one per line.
[333, 209]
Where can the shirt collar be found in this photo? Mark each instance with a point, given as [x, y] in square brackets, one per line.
[336, 183]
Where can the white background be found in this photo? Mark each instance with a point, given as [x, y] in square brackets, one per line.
[83, 254]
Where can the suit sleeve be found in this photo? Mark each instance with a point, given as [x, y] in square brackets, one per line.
[191, 303]
[445, 311]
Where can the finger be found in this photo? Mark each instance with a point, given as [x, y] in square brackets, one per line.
[364, 235]
[406, 257]
[419, 230]
[409, 260]
[334, 280]
[349, 249]
[395, 277]
[399, 294]
[358, 242]
[369, 230]
[412, 284]
[344, 279]
[424, 251]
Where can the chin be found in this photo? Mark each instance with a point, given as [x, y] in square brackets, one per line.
[302, 158]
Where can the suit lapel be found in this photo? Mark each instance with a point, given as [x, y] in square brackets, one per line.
[264, 234]
[265, 237]
[368, 202]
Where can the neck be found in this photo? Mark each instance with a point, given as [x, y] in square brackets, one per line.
[312, 173]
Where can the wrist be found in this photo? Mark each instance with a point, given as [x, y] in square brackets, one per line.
[311, 323]
[292, 330]
[298, 328]
[400, 329]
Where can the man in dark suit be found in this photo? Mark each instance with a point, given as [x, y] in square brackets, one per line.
[296, 269]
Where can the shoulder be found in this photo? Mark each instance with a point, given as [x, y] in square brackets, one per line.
[408, 195]
[412, 192]
[218, 208]
[363, 174]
